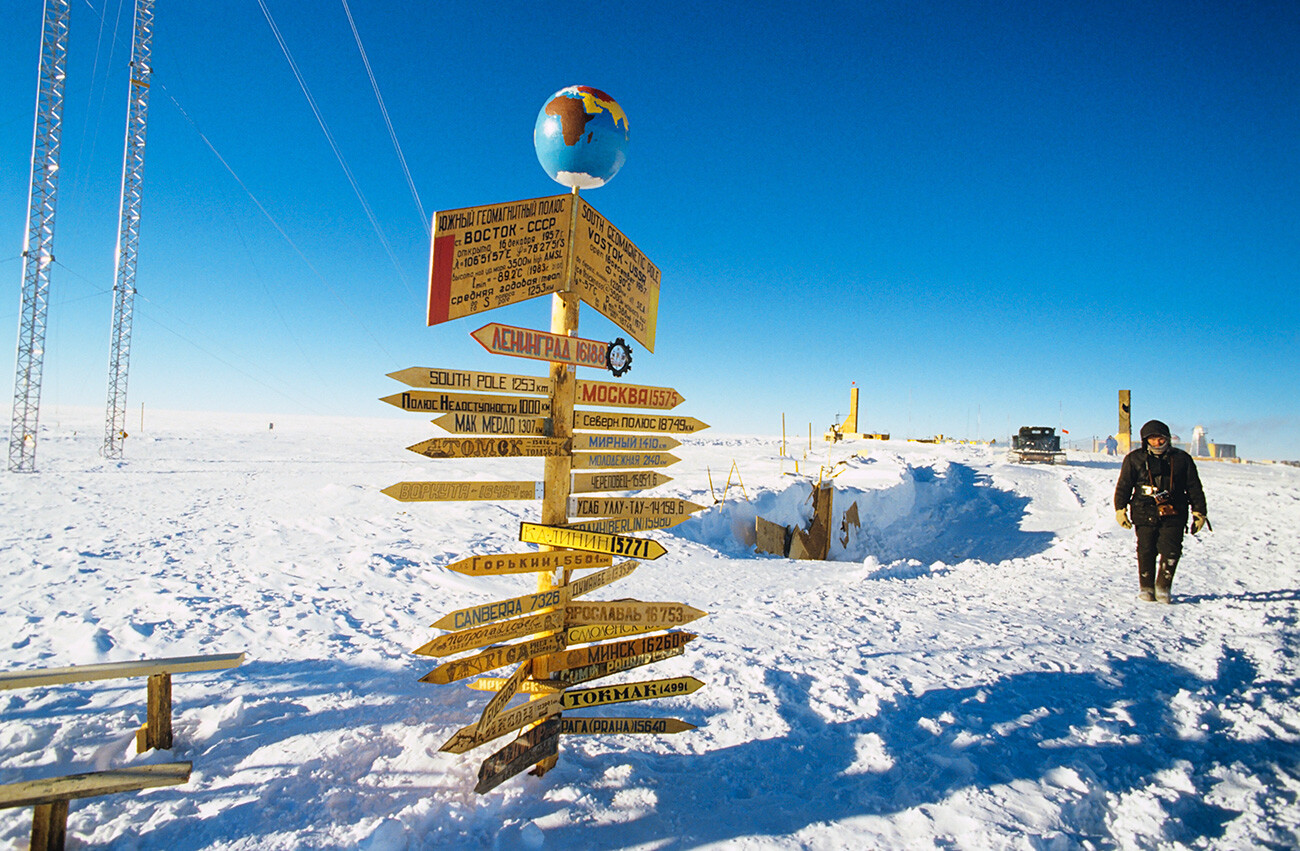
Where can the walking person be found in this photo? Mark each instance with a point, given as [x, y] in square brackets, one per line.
[1158, 485]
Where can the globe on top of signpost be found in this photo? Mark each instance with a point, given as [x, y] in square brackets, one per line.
[581, 137]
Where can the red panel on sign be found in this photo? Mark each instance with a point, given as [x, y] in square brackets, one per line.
[444, 251]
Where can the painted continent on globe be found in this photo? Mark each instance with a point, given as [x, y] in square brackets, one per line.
[581, 137]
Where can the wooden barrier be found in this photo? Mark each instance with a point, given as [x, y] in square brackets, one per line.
[157, 729]
[50, 796]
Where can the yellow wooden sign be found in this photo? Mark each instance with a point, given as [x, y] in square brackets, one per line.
[617, 650]
[496, 565]
[507, 691]
[571, 725]
[592, 581]
[433, 402]
[605, 631]
[622, 460]
[493, 658]
[631, 506]
[471, 735]
[532, 746]
[621, 480]
[491, 447]
[616, 421]
[658, 614]
[613, 276]
[557, 536]
[627, 525]
[491, 256]
[461, 379]
[462, 491]
[526, 687]
[612, 394]
[647, 690]
[495, 424]
[587, 673]
[542, 345]
[469, 639]
[473, 616]
[623, 442]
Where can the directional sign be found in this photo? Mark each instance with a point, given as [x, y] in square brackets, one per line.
[613, 421]
[471, 736]
[658, 615]
[491, 447]
[627, 525]
[455, 642]
[495, 424]
[493, 658]
[431, 402]
[623, 480]
[496, 565]
[631, 506]
[532, 746]
[460, 379]
[611, 394]
[556, 536]
[462, 491]
[617, 650]
[622, 442]
[508, 690]
[488, 257]
[541, 345]
[613, 276]
[604, 631]
[514, 607]
[573, 726]
[622, 460]
[587, 673]
[526, 687]
[604, 695]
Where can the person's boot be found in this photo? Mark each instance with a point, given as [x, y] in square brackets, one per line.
[1165, 578]
[1146, 586]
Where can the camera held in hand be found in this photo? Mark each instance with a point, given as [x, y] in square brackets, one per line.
[1164, 504]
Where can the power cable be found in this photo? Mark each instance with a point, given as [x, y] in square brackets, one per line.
[392, 134]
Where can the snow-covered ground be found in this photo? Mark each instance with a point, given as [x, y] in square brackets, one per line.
[973, 670]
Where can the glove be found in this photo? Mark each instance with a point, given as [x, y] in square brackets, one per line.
[1198, 521]
[1121, 517]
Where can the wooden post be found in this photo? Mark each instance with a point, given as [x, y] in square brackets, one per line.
[1125, 434]
[50, 826]
[157, 729]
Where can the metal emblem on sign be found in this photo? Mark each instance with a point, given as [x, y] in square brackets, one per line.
[619, 357]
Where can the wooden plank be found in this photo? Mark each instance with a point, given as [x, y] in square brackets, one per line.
[622, 460]
[605, 631]
[157, 729]
[472, 735]
[639, 422]
[625, 525]
[116, 670]
[491, 447]
[571, 725]
[597, 653]
[619, 480]
[473, 616]
[50, 826]
[574, 676]
[625, 692]
[462, 491]
[495, 424]
[531, 747]
[461, 379]
[546, 562]
[486, 257]
[632, 506]
[619, 545]
[508, 690]
[435, 402]
[88, 785]
[771, 537]
[526, 687]
[470, 639]
[592, 581]
[493, 658]
[624, 442]
[614, 394]
[613, 276]
[542, 345]
[664, 615]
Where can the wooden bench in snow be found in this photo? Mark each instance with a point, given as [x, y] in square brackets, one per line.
[157, 729]
[51, 795]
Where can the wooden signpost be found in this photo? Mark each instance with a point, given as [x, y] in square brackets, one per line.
[501, 254]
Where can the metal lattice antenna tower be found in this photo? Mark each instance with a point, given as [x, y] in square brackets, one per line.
[128, 229]
[38, 246]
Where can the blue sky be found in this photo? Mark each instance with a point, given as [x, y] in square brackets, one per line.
[985, 214]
